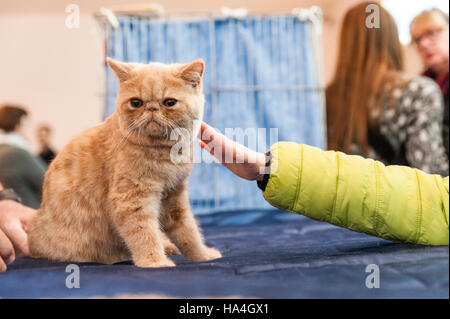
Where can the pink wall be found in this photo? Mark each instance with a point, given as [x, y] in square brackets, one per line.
[52, 71]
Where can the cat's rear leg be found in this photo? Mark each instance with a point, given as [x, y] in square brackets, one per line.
[169, 247]
[181, 227]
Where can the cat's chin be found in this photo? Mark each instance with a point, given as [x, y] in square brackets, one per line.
[154, 128]
[157, 132]
[152, 137]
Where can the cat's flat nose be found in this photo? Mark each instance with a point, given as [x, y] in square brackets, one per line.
[152, 107]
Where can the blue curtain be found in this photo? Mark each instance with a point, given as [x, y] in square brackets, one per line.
[261, 72]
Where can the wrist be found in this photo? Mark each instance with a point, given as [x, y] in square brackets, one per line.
[9, 194]
[264, 172]
[261, 162]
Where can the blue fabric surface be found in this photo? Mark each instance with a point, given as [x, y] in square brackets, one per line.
[261, 72]
[268, 254]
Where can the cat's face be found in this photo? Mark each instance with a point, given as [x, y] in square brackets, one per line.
[155, 98]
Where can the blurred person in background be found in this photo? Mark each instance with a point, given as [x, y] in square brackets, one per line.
[19, 169]
[12, 122]
[373, 109]
[43, 134]
[429, 33]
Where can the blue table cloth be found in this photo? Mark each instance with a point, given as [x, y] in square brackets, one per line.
[267, 254]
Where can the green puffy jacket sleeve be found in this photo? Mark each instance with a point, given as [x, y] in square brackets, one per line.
[398, 203]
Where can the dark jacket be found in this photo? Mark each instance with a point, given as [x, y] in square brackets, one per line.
[22, 172]
[443, 84]
[410, 128]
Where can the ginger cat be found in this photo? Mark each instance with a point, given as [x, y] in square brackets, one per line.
[114, 193]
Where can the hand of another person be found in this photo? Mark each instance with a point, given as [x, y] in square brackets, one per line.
[239, 159]
[14, 218]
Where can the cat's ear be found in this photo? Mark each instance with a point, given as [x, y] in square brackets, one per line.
[193, 72]
[121, 69]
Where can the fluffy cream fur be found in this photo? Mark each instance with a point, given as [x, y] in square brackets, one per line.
[114, 193]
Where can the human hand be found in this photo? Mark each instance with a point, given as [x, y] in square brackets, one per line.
[14, 219]
[239, 159]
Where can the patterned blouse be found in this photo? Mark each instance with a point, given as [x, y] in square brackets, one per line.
[411, 132]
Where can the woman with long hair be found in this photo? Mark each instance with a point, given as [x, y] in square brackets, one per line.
[373, 109]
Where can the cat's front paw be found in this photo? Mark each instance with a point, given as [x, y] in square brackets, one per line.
[154, 264]
[205, 254]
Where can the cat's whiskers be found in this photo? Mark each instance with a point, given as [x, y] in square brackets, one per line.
[169, 126]
[125, 136]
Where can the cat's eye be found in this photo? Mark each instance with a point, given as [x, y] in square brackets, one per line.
[170, 102]
[136, 102]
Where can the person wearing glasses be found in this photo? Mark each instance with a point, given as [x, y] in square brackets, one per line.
[429, 34]
[377, 110]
